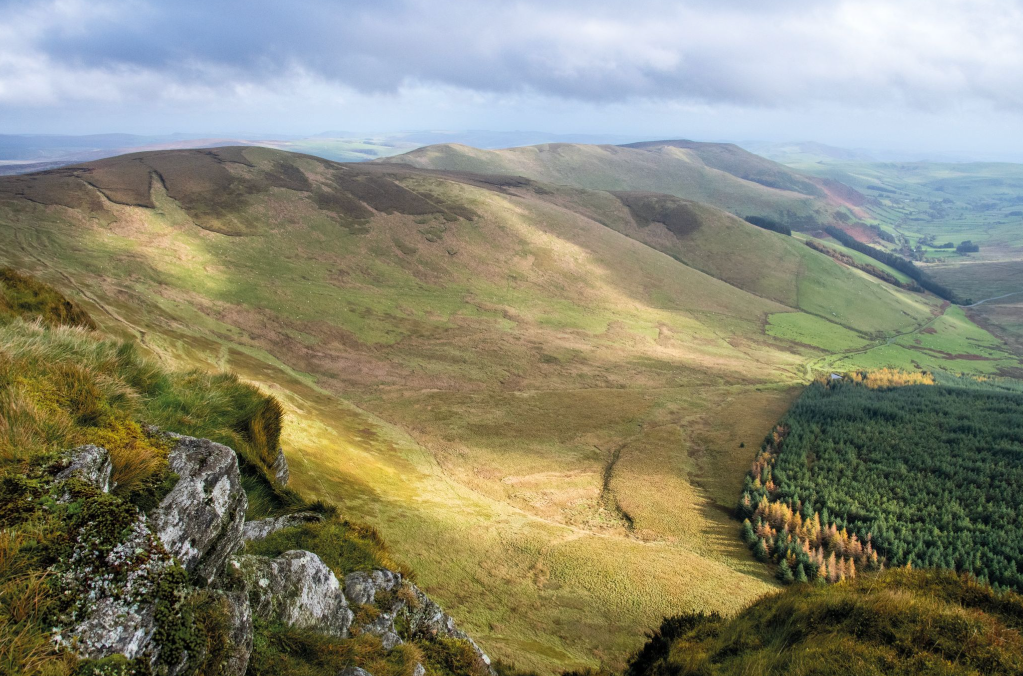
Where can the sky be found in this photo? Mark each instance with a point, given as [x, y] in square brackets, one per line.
[934, 75]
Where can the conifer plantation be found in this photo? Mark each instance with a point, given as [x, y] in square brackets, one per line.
[891, 469]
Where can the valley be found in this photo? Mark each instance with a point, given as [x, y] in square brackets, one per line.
[544, 395]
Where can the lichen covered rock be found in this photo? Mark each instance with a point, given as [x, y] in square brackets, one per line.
[258, 530]
[426, 619]
[296, 588]
[240, 634]
[361, 587]
[280, 470]
[355, 671]
[200, 521]
[89, 463]
[111, 627]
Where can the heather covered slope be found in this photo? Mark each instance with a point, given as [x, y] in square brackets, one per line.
[722, 175]
[541, 412]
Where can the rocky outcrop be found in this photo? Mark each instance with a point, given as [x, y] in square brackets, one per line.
[426, 619]
[260, 529]
[111, 627]
[90, 464]
[200, 521]
[296, 589]
[280, 470]
[200, 525]
[396, 598]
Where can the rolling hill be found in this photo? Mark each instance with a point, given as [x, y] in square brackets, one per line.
[718, 174]
[544, 397]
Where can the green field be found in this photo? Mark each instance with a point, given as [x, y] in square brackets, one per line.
[810, 330]
[545, 407]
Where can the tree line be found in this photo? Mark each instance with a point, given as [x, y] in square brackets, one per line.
[898, 262]
[865, 472]
[769, 224]
[866, 267]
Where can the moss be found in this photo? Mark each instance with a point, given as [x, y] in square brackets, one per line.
[284, 651]
[19, 499]
[212, 621]
[177, 632]
[115, 665]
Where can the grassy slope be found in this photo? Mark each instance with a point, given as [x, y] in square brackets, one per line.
[901, 622]
[538, 412]
[663, 169]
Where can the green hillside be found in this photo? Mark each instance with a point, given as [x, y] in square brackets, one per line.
[924, 204]
[901, 622]
[722, 175]
[543, 399]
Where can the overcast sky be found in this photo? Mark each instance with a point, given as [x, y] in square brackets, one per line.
[930, 74]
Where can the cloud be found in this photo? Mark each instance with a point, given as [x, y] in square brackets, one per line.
[932, 55]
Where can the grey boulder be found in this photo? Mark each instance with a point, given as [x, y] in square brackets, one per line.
[112, 627]
[200, 521]
[361, 587]
[296, 589]
[354, 671]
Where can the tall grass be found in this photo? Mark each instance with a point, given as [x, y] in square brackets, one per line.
[62, 385]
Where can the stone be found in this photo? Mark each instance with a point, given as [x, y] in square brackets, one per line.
[113, 626]
[354, 671]
[200, 521]
[257, 530]
[90, 464]
[419, 669]
[240, 634]
[361, 587]
[280, 469]
[297, 589]
[426, 619]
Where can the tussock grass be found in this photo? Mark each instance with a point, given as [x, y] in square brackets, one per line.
[900, 622]
[63, 385]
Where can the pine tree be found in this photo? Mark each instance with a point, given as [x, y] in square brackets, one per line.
[760, 550]
[800, 574]
[785, 572]
[748, 536]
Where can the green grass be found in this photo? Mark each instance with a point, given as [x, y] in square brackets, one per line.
[810, 330]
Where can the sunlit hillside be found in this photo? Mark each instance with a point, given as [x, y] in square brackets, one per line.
[544, 399]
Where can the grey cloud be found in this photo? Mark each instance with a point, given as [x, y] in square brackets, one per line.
[769, 53]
